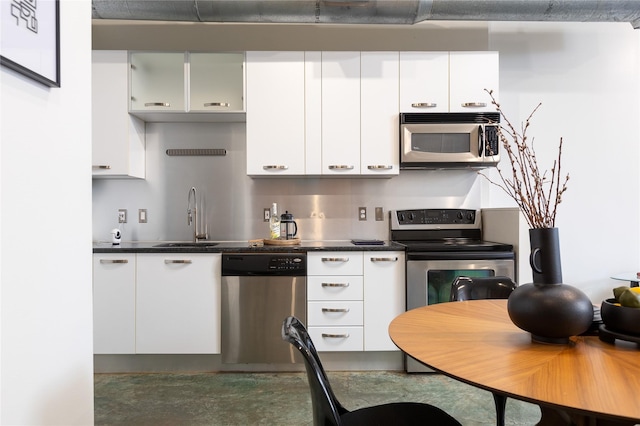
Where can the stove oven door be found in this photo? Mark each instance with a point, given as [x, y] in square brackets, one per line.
[430, 275]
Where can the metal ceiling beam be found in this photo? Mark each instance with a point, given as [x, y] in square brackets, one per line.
[369, 11]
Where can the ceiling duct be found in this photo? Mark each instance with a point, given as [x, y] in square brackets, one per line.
[369, 11]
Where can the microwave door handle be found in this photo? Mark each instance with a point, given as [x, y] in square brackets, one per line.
[480, 140]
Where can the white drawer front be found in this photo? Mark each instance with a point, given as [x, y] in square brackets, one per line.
[340, 313]
[335, 263]
[337, 339]
[335, 287]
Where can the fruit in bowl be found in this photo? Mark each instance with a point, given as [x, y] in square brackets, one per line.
[622, 313]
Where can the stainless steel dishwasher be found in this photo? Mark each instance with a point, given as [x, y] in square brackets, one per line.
[259, 290]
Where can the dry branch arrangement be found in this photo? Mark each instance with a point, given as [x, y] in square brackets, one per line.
[536, 193]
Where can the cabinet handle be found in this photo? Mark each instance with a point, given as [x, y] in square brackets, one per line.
[218, 104]
[335, 310]
[335, 259]
[181, 261]
[340, 167]
[101, 167]
[274, 167]
[384, 259]
[162, 104]
[379, 167]
[335, 284]
[424, 105]
[474, 104]
[335, 336]
[114, 261]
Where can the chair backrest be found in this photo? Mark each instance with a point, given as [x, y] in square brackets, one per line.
[474, 288]
[326, 407]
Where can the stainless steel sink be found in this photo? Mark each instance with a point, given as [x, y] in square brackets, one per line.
[188, 244]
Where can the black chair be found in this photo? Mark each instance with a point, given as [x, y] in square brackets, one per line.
[475, 288]
[327, 410]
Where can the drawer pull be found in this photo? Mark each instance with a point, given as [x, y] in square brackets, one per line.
[174, 261]
[424, 105]
[335, 284]
[340, 167]
[101, 167]
[161, 104]
[274, 167]
[335, 259]
[114, 261]
[379, 167]
[384, 259]
[342, 310]
[216, 104]
[335, 336]
[474, 104]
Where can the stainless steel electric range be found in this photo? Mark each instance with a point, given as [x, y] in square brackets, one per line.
[441, 245]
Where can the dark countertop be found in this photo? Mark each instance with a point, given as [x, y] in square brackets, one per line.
[243, 247]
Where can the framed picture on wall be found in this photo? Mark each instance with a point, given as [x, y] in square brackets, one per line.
[30, 39]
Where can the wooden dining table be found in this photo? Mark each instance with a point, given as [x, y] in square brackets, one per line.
[584, 382]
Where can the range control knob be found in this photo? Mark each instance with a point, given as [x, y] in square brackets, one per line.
[460, 215]
[470, 216]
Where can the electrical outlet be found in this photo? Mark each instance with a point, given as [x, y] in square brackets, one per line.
[362, 213]
[122, 215]
[266, 214]
[142, 215]
[379, 214]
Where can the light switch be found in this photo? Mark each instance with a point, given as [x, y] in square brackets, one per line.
[142, 215]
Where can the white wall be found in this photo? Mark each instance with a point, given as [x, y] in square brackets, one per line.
[587, 76]
[46, 363]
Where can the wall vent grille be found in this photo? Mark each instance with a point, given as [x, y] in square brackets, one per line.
[196, 152]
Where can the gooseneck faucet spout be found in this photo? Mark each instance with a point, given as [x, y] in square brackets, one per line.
[192, 215]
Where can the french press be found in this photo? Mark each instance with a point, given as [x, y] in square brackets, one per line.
[288, 226]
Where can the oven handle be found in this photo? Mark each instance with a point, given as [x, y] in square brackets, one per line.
[461, 255]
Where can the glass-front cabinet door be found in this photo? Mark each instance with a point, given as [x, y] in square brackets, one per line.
[216, 82]
[157, 81]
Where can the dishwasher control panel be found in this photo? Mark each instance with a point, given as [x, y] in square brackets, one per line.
[263, 264]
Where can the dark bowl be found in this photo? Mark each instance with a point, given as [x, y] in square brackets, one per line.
[620, 318]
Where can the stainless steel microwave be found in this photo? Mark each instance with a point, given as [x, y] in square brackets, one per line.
[449, 140]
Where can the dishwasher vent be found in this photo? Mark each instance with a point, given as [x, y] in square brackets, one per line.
[196, 152]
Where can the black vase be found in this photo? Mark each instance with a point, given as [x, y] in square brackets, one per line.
[548, 309]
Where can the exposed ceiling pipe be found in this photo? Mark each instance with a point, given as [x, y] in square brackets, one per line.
[369, 11]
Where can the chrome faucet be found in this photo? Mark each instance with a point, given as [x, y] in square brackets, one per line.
[192, 216]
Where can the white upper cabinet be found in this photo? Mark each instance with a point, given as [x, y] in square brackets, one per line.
[184, 86]
[322, 113]
[275, 113]
[470, 74]
[118, 139]
[340, 113]
[424, 81]
[379, 113]
[447, 81]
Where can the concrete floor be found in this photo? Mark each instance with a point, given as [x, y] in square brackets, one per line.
[282, 398]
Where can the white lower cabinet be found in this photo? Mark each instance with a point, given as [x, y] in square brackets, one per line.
[334, 307]
[178, 303]
[114, 299]
[353, 297]
[384, 297]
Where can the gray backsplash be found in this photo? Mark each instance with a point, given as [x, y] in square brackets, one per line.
[325, 209]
